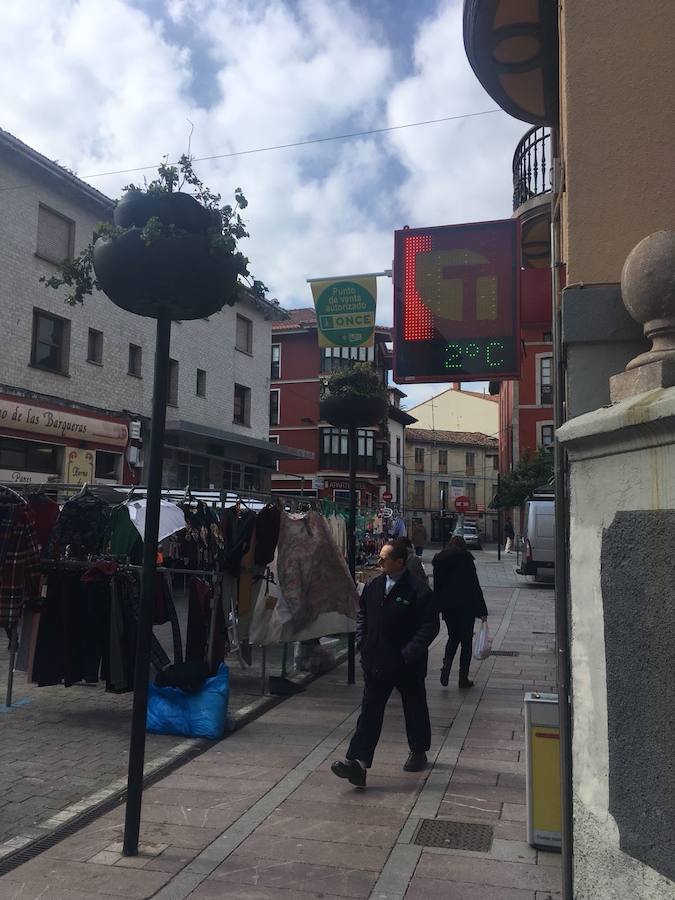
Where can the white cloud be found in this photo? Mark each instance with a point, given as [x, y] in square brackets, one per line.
[101, 87]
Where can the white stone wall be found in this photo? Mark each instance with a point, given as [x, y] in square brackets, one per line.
[622, 458]
[200, 344]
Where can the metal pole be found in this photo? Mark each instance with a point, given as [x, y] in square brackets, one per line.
[13, 649]
[499, 517]
[132, 820]
[562, 626]
[351, 547]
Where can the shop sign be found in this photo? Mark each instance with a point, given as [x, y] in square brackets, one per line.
[80, 466]
[19, 477]
[60, 424]
[345, 311]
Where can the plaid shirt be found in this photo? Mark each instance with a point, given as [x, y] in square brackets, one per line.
[19, 562]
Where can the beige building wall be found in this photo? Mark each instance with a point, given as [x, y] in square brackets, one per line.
[454, 410]
[617, 87]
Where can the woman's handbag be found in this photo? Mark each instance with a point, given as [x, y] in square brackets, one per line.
[482, 645]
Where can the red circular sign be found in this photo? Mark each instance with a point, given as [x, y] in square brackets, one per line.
[462, 504]
[387, 495]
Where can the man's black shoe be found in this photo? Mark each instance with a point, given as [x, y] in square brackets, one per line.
[416, 761]
[465, 683]
[351, 770]
[445, 676]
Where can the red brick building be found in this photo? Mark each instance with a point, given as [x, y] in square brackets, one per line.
[526, 406]
[297, 366]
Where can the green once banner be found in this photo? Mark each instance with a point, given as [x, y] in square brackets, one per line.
[345, 312]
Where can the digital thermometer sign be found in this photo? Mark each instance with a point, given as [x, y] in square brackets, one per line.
[456, 304]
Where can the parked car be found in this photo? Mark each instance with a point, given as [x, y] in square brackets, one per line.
[470, 534]
[538, 539]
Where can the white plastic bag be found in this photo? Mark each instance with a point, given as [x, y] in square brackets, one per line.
[482, 645]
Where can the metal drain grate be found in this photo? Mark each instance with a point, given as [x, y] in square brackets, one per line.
[454, 835]
[505, 653]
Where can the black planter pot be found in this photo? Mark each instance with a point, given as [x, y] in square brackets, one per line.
[354, 410]
[178, 276]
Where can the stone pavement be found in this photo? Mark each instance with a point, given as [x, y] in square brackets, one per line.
[66, 747]
[260, 816]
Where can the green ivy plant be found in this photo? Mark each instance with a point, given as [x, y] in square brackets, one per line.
[360, 379]
[532, 472]
[228, 228]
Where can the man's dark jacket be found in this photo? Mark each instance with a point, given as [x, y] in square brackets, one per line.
[394, 630]
[456, 586]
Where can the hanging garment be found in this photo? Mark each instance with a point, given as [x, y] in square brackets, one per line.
[267, 525]
[82, 528]
[313, 575]
[44, 512]
[238, 524]
[245, 583]
[19, 561]
[124, 537]
[204, 532]
[72, 641]
[200, 608]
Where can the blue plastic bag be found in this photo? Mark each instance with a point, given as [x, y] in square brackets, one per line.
[200, 715]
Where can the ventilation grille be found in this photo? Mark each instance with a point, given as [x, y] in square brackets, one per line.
[454, 835]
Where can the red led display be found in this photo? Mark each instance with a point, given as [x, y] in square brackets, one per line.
[456, 309]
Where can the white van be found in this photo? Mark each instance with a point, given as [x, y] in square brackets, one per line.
[538, 539]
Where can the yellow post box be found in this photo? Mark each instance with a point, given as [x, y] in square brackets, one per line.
[542, 758]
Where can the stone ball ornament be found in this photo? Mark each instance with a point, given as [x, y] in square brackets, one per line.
[648, 290]
[176, 272]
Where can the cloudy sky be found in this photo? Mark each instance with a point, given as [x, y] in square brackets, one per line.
[107, 86]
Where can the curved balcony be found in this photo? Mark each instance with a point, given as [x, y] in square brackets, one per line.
[532, 196]
[512, 46]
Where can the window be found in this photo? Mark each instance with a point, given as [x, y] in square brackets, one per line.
[419, 459]
[418, 493]
[201, 383]
[397, 495]
[274, 439]
[546, 435]
[547, 337]
[335, 449]
[55, 235]
[242, 405]
[108, 465]
[443, 461]
[232, 476]
[275, 371]
[443, 494]
[192, 471]
[244, 339]
[135, 360]
[398, 451]
[470, 463]
[545, 379]
[29, 456]
[471, 493]
[495, 463]
[337, 357]
[172, 398]
[95, 347]
[274, 407]
[51, 342]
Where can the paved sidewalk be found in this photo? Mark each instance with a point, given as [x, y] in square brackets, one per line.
[65, 747]
[260, 816]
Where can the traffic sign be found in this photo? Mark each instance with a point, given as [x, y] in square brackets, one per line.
[387, 495]
[462, 504]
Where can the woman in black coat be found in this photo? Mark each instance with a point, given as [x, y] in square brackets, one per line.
[460, 600]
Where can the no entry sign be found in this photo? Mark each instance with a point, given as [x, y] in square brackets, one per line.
[462, 504]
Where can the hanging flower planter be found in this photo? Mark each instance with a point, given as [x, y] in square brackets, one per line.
[354, 396]
[180, 273]
[168, 254]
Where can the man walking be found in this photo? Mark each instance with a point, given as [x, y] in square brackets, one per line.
[396, 623]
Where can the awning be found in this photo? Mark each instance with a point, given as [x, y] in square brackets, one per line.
[273, 451]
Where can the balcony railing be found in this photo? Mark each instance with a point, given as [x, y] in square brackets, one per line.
[531, 164]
